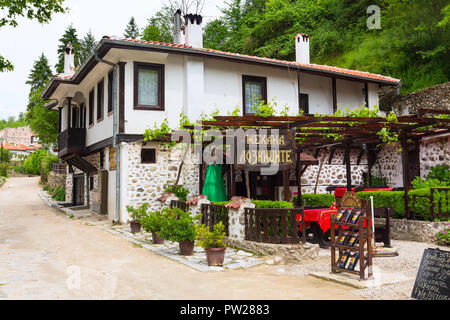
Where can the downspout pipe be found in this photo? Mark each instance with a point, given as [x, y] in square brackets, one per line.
[115, 130]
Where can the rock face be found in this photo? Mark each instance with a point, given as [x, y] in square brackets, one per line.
[56, 180]
[409, 230]
[436, 97]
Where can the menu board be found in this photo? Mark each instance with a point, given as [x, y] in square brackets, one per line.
[433, 277]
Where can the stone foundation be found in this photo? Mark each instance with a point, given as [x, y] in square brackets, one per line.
[56, 180]
[409, 230]
[289, 253]
[145, 182]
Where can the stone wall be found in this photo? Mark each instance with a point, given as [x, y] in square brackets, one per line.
[434, 151]
[289, 252]
[333, 173]
[409, 230]
[145, 182]
[56, 180]
[436, 97]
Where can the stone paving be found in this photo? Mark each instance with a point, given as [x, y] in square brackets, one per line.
[234, 258]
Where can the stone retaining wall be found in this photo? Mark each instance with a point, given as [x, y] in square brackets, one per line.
[289, 253]
[409, 230]
[56, 180]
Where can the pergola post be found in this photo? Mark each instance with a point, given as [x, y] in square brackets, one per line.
[299, 179]
[348, 167]
[369, 163]
[404, 143]
[287, 192]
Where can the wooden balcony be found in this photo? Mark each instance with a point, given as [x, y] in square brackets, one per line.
[72, 141]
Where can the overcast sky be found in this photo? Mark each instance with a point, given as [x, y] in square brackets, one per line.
[24, 44]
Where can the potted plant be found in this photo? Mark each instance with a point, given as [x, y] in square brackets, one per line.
[153, 223]
[137, 215]
[213, 243]
[179, 226]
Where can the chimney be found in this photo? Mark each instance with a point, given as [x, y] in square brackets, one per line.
[69, 59]
[194, 30]
[178, 32]
[302, 48]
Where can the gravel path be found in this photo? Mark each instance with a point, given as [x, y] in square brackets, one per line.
[406, 264]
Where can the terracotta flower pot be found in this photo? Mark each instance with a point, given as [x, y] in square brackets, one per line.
[135, 226]
[157, 239]
[186, 247]
[215, 256]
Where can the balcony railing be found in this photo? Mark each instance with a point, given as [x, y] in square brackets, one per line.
[72, 141]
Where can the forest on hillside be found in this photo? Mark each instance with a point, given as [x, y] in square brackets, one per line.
[412, 42]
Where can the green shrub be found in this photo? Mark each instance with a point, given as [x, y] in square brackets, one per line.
[208, 239]
[221, 203]
[138, 213]
[316, 200]
[418, 183]
[443, 238]
[422, 205]
[59, 194]
[178, 226]
[4, 169]
[48, 188]
[441, 173]
[266, 204]
[153, 221]
[33, 164]
[179, 191]
[394, 199]
[6, 155]
[48, 160]
[379, 182]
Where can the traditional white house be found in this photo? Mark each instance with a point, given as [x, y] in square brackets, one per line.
[128, 85]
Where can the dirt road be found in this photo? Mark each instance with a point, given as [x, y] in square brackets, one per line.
[45, 255]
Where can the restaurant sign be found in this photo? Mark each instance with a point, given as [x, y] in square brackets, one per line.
[264, 148]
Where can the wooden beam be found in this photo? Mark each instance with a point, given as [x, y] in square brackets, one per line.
[404, 143]
[361, 154]
[330, 158]
[299, 179]
[69, 112]
[366, 94]
[287, 192]
[348, 167]
[334, 90]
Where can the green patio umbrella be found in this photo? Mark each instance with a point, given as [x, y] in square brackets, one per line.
[214, 187]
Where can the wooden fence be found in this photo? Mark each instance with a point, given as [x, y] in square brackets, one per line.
[59, 168]
[182, 205]
[278, 226]
[213, 214]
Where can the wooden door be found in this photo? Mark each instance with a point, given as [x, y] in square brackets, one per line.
[78, 190]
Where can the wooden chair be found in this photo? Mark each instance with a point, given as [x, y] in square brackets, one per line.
[383, 231]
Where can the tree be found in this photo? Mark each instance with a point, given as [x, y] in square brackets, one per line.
[88, 44]
[40, 10]
[40, 74]
[42, 121]
[131, 30]
[70, 35]
[160, 26]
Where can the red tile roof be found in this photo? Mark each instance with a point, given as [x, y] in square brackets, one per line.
[313, 67]
[292, 63]
[18, 147]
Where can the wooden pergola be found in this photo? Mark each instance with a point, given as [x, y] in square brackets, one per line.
[318, 132]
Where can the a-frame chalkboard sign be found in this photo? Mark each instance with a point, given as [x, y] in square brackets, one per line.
[433, 277]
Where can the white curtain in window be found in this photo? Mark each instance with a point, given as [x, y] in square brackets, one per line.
[148, 87]
[253, 94]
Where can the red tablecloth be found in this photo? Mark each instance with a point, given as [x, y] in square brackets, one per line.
[321, 216]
